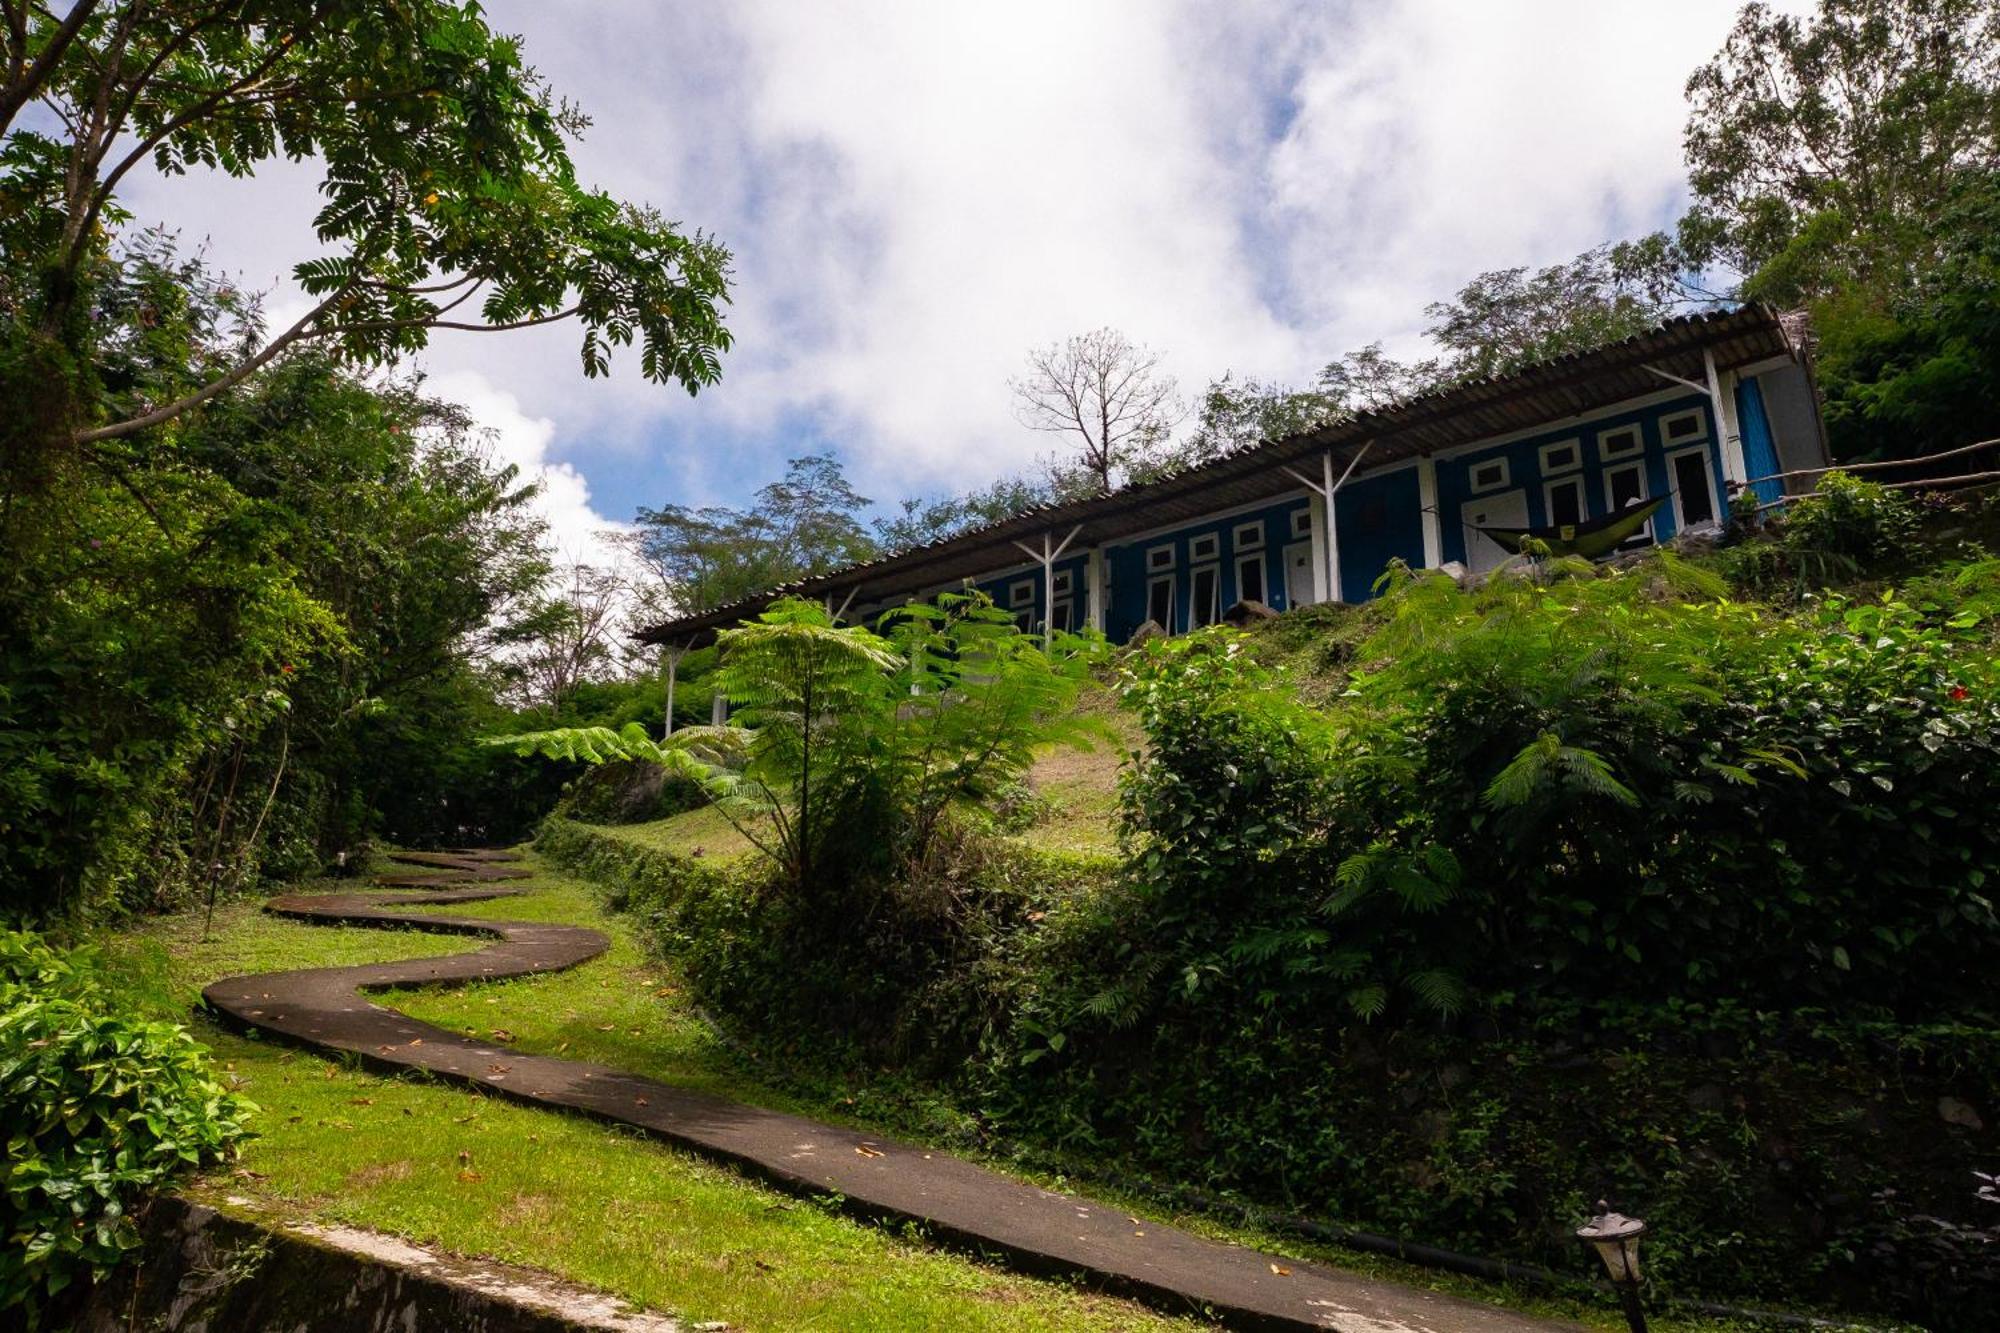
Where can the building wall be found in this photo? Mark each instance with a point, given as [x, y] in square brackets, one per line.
[1523, 459]
[1377, 519]
[1379, 515]
[1130, 567]
[1792, 408]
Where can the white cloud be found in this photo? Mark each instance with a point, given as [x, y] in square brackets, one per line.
[576, 530]
[1436, 140]
[917, 193]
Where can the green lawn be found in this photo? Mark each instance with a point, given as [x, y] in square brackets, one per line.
[478, 1176]
[595, 1204]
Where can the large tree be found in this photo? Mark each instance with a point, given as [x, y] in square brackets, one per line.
[1513, 317]
[920, 521]
[449, 198]
[570, 634]
[1109, 396]
[806, 523]
[1821, 148]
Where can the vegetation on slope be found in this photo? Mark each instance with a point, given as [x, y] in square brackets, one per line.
[560, 1193]
[1617, 838]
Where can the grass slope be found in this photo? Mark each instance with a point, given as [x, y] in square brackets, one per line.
[477, 1176]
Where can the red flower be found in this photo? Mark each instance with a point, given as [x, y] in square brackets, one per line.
[1958, 693]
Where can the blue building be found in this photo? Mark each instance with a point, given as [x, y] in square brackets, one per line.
[1694, 411]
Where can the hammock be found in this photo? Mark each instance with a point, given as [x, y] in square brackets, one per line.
[1598, 536]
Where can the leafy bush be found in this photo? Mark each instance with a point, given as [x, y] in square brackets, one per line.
[849, 749]
[1861, 521]
[630, 792]
[100, 1109]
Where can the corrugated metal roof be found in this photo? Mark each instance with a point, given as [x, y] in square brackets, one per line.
[1463, 413]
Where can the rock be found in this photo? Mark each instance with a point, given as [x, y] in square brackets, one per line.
[1247, 612]
[1146, 631]
[1955, 1112]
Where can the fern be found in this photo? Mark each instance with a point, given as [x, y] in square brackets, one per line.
[1545, 767]
[1439, 990]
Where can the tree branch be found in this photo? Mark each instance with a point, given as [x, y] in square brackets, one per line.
[226, 382]
[102, 194]
[21, 88]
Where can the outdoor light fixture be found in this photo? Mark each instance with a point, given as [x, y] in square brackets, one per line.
[1615, 1237]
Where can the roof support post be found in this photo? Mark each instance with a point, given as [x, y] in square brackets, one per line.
[1427, 511]
[1094, 573]
[1676, 379]
[835, 615]
[1046, 558]
[1722, 397]
[718, 710]
[1333, 588]
[1326, 547]
[673, 656]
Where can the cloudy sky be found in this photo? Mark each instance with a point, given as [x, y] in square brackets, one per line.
[916, 193]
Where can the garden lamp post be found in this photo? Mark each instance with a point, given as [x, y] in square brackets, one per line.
[1615, 1237]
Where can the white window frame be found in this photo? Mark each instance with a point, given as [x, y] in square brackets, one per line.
[1637, 465]
[1208, 546]
[1020, 593]
[1065, 580]
[1671, 440]
[1248, 536]
[1263, 593]
[1575, 446]
[1302, 523]
[1477, 487]
[1172, 590]
[1159, 558]
[1194, 580]
[1605, 452]
[1063, 617]
[1575, 479]
[1714, 491]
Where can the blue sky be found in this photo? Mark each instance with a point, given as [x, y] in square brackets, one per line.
[917, 193]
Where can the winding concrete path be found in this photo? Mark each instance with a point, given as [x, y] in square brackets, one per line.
[1035, 1229]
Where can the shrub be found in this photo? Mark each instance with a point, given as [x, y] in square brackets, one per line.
[100, 1109]
[850, 749]
[1862, 521]
[1561, 843]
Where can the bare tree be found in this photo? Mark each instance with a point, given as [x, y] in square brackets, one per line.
[574, 633]
[1107, 393]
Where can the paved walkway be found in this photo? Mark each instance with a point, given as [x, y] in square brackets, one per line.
[1035, 1229]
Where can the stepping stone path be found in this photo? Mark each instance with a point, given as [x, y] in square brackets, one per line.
[1039, 1230]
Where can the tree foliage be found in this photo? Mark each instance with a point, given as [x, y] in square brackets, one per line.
[250, 634]
[1510, 318]
[1921, 373]
[804, 524]
[1819, 148]
[449, 199]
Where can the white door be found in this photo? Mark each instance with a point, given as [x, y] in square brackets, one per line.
[1299, 574]
[1508, 509]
